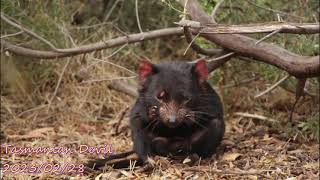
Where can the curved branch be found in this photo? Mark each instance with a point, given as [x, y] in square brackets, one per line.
[133, 38]
[194, 46]
[296, 65]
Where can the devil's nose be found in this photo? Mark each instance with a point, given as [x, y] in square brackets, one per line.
[172, 119]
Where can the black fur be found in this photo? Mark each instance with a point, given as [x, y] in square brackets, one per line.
[181, 81]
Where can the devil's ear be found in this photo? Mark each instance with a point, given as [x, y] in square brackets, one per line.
[200, 70]
[145, 69]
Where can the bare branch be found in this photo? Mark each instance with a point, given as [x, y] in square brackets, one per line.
[31, 33]
[194, 46]
[133, 38]
[108, 79]
[10, 35]
[137, 16]
[282, 27]
[292, 28]
[294, 64]
[272, 87]
[219, 61]
[215, 9]
[268, 36]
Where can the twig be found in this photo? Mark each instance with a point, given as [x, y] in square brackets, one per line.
[241, 82]
[268, 36]
[217, 62]
[137, 16]
[91, 47]
[190, 43]
[31, 33]
[255, 116]
[116, 65]
[272, 87]
[215, 9]
[106, 18]
[121, 117]
[58, 83]
[108, 79]
[99, 60]
[13, 34]
[194, 46]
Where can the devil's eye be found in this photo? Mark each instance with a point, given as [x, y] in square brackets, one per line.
[162, 95]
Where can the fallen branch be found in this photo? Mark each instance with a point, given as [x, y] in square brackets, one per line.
[282, 27]
[294, 64]
[133, 38]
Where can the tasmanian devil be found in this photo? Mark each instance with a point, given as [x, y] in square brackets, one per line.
[176, 113]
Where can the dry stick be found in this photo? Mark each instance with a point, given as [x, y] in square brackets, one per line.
[272, 87]
[211, 28]
[255, 116]
[121, 117]
[106, 18]
[293, 28]
[112, 54]
[91, 47]
[294, 64]
[194, 46]
[190, 44]
[268, 36]
[58, 83]
[116, 65]
[13, 34]
[108, 79]
[215, 9]
[137, 17]
[217, 62]
[241, 82]
[31, 33]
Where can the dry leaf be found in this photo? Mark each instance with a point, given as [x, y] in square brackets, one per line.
[231, 156]
[127, 174]
[186, 160]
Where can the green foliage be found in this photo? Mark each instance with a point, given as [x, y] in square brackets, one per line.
[311, 126]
